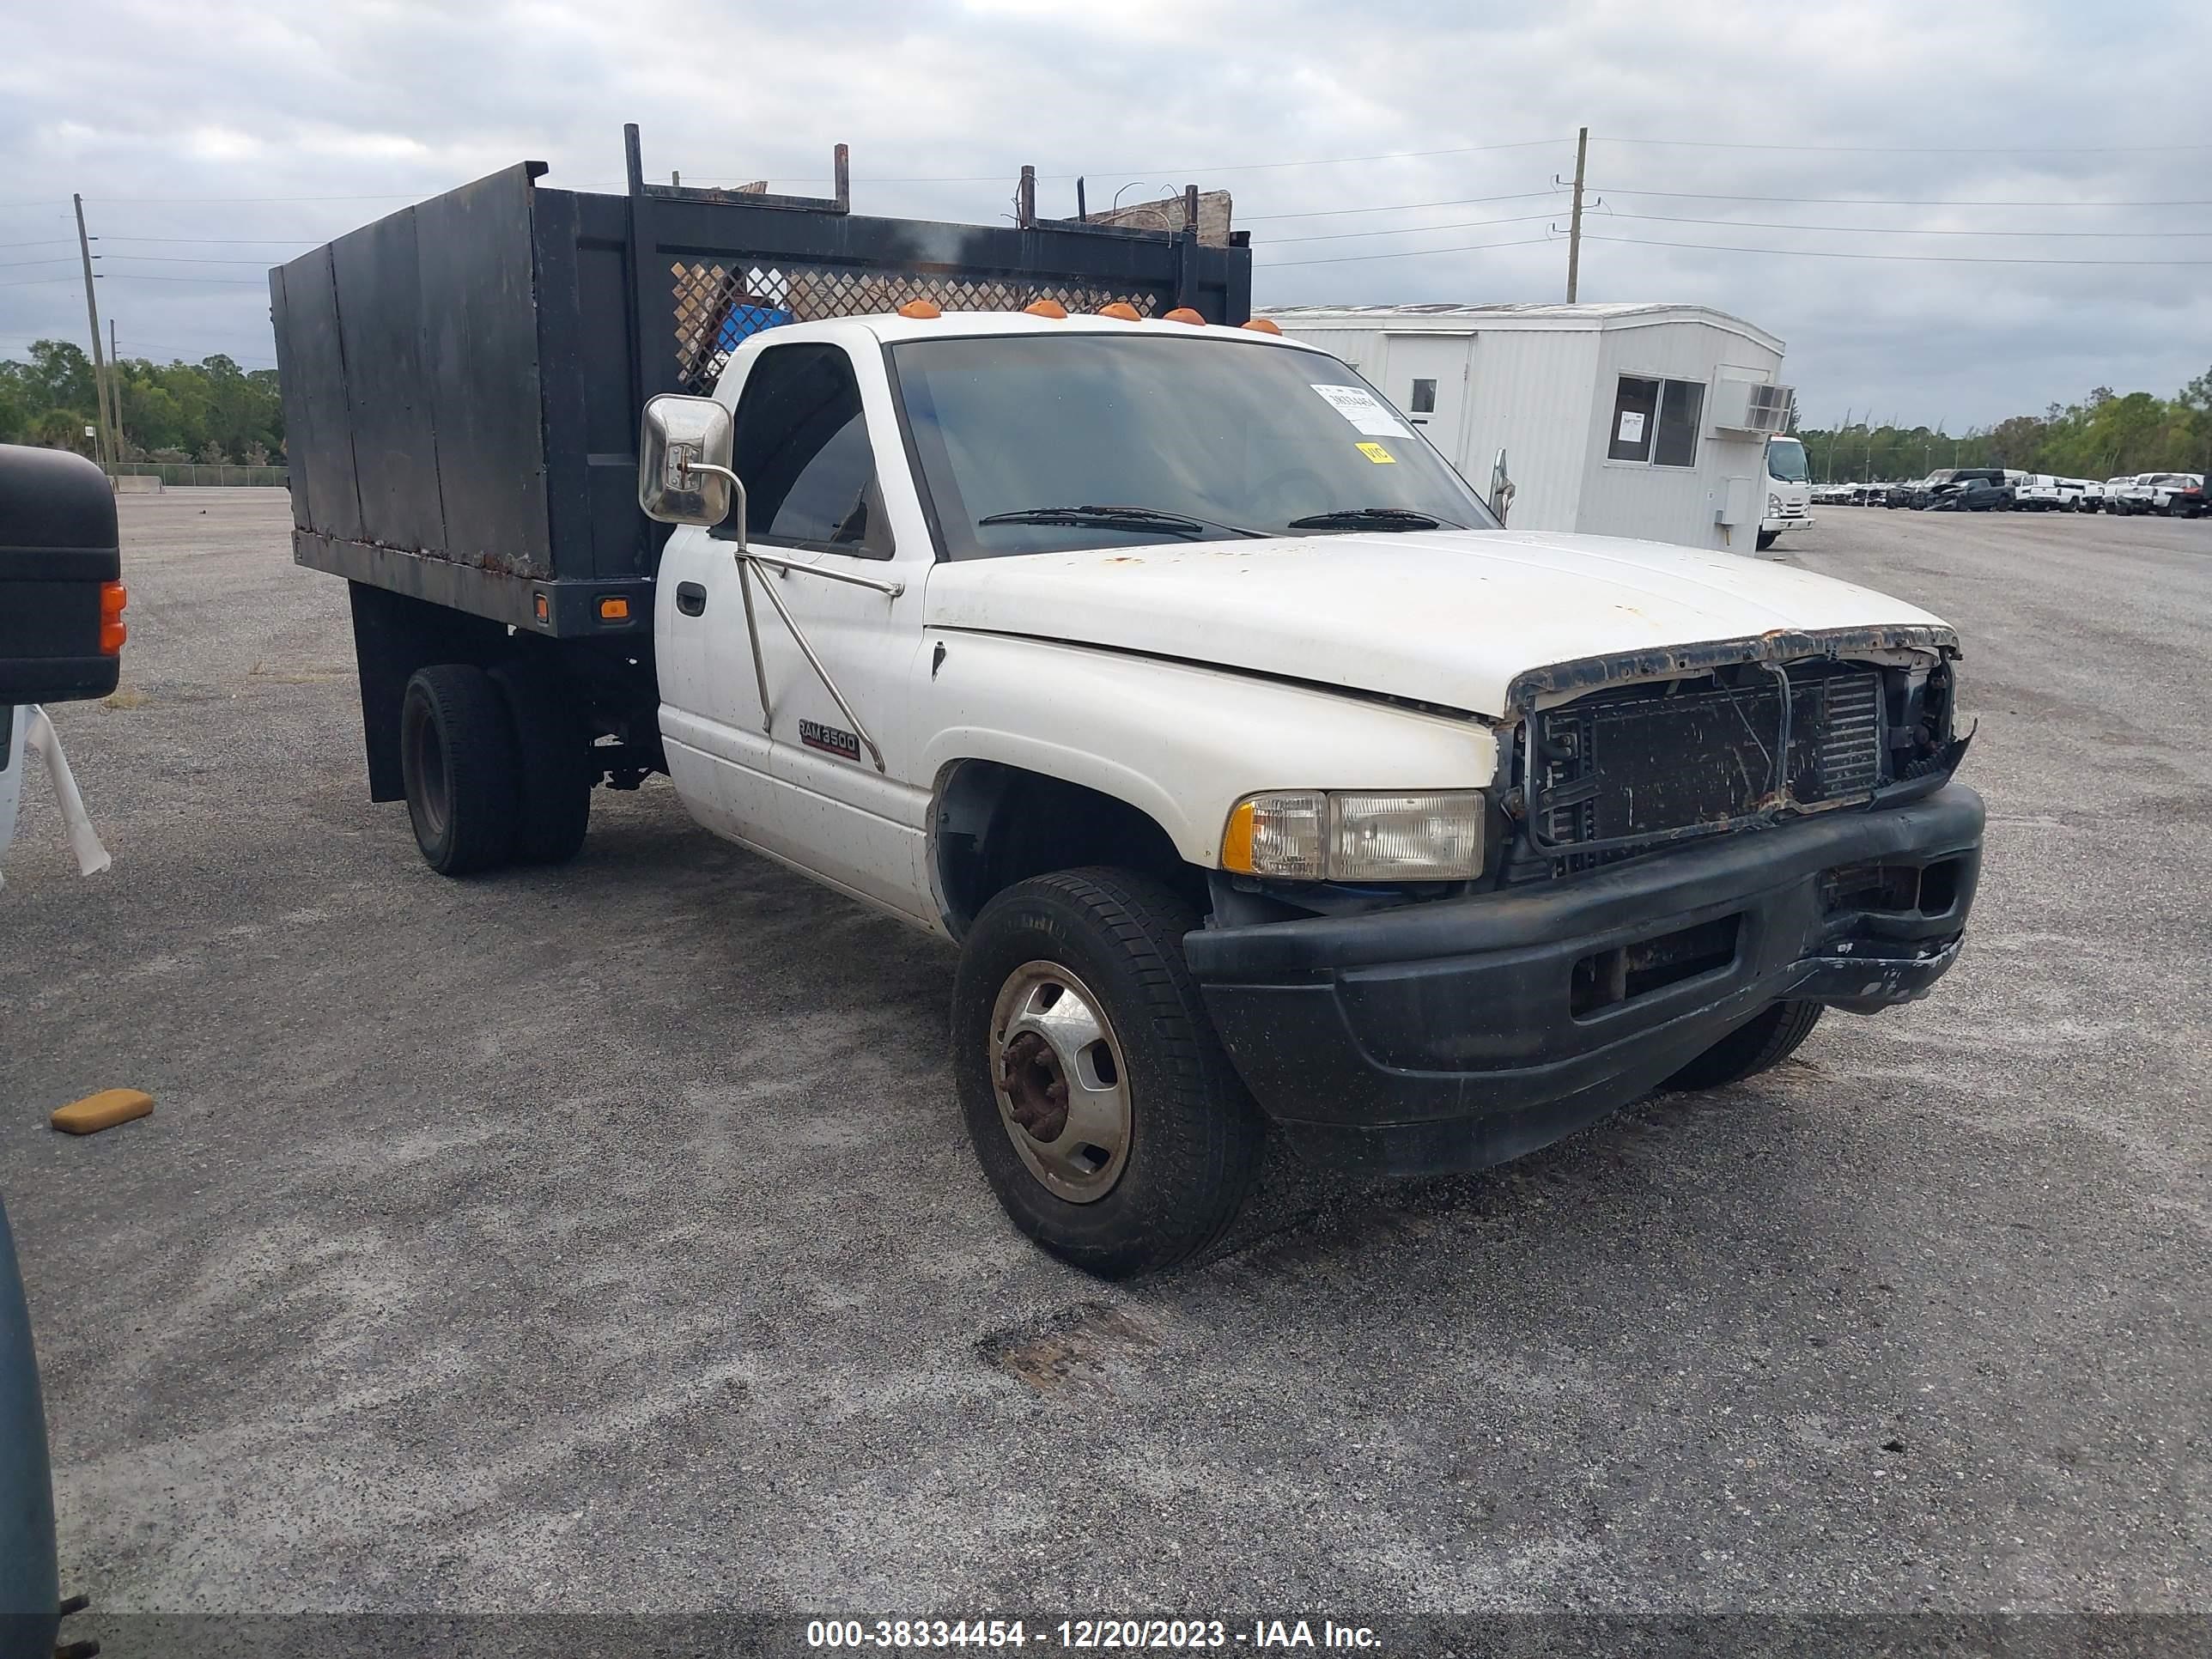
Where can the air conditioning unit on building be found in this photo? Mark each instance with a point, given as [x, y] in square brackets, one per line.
[1752, 406]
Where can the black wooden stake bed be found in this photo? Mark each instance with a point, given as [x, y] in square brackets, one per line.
[463, 380]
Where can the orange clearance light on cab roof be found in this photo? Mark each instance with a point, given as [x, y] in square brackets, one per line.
[614, 609]
[920, 310]
[1123, 309]
[1260, 325]
[1184, 314]
[1045, 308]
[112, 633]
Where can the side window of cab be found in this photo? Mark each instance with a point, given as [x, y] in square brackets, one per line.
[803, 451]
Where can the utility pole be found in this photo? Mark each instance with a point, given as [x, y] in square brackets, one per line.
[1575, 224]
[108, 456]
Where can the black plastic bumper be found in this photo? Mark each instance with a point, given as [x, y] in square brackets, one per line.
[1452, 1035]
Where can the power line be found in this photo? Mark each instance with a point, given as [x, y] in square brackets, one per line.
[1918, 259]
[1189, 171]
[16, 264]
[1874, 201]
[1404, 207]
[28, 282]
[180, 259]
[1888, 230]
[50, 242]
[1411, 253]
[1917, 149]
[1415, 230]
[138, 200]
[203, 241]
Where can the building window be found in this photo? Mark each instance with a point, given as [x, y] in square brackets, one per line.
[1424, 398]
[1655, 421]
[1680, 405]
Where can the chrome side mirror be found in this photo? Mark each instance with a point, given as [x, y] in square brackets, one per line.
[1501, 489]
[683, 473]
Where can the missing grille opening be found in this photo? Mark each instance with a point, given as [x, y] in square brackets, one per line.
[1605, 979]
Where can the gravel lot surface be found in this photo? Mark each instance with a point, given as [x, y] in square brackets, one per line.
[606, 1238]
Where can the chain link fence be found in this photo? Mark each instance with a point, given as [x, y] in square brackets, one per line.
[186, 474]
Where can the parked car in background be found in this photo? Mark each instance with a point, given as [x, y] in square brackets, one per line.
[2038, 492]
[2176, 494]
[1947, 481]
[2127, 495]
[2075, 494]
[1975, 492]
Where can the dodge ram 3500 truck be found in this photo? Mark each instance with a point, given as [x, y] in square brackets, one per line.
[1258, 769]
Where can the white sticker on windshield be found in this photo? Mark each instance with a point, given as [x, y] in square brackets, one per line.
[1357, 405]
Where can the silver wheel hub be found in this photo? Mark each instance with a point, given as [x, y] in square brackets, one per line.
[1063, 1091]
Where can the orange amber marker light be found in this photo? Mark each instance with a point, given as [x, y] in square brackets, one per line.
[1260, 325]
[920, 310]
[1123, 309]
[112, 597]
[1237, 840]
[614, 609]
[1045, 308]
[1184, 314]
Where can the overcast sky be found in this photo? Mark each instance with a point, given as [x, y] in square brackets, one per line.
[332, 114]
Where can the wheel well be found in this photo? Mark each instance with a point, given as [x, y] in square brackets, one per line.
[994, 824]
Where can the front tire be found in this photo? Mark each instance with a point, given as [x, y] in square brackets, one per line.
[1105, 1115]
[458, 760]
[1763, 1041]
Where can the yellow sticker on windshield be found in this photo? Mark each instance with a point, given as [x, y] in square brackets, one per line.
[1378, 454]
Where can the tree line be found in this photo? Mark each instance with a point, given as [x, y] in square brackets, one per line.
[2103, 436]
[212, 411]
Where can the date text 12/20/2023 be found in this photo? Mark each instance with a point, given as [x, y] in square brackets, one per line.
[1087, 1633]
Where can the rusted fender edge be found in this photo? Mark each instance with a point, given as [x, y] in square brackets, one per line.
[1783, 645]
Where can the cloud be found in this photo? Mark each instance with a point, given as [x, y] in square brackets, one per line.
[329, 116]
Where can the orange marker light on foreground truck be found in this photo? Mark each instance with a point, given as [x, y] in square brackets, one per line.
[1045, 308]
[920, 310]
[614, 609]
[1260, 325]
[1123, 309]
[112, 633]
[1184, 314]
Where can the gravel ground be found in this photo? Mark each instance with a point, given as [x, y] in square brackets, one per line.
[606, 1238]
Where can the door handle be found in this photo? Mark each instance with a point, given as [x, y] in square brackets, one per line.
[690, 599]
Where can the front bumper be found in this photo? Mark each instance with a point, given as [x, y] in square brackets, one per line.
[1457, 1034]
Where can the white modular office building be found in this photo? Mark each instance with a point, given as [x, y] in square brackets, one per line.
[1616, 419]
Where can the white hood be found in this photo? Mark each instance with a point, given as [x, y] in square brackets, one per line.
[1446, 616]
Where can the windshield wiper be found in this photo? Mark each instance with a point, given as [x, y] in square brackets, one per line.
[1374, 518]
[1119, 518]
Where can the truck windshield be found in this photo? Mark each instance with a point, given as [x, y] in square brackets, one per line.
[1035, 443]
[1785, 459]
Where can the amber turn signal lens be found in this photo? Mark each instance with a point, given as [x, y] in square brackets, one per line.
[112, 597]
[1260, 325]
[614, 609]
[1045, 308]
[1185, 315]
[920, 310]
[1123, 309]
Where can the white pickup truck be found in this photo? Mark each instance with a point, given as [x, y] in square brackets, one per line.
[1258, 770]
[1249, 758]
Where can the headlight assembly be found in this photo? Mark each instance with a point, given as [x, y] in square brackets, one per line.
[1315, 836]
